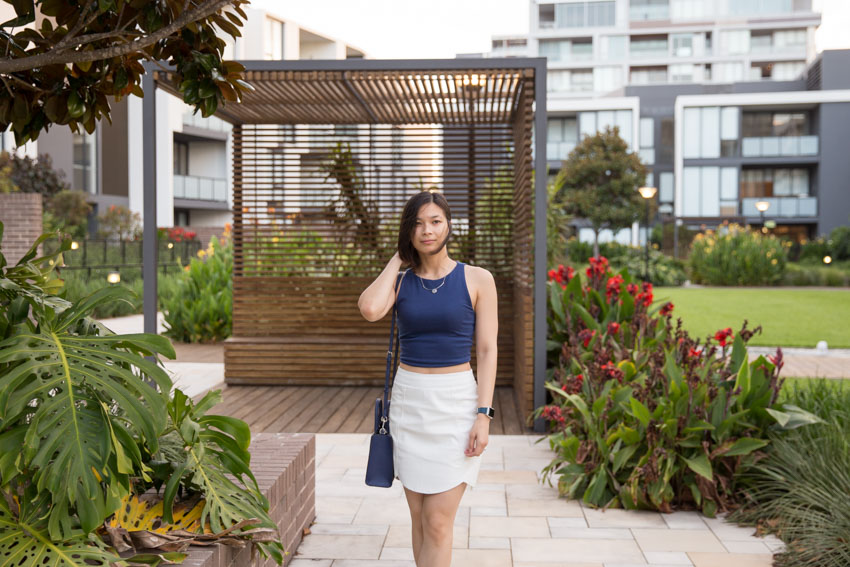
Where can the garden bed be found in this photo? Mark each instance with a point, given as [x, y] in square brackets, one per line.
[285, 467]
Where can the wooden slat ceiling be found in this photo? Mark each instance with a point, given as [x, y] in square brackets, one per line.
[374, 97]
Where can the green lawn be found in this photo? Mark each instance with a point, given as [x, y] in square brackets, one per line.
[789, 317]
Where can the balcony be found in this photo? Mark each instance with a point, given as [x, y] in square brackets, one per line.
[211, 123]
[781, 207]
[780, 146]
[649, 12]
[200, 188]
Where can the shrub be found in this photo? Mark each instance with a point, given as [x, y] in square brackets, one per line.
[736, 255]
[815, 275]
[78, 284]
[33, 175]
[119, 223]
[644, 416]
[201, 308]
[664, 270]
[801, 491]
[68, 212]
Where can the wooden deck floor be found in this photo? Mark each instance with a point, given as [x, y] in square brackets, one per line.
[322, 409]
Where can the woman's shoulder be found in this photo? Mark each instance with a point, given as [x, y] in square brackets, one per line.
[478, 276]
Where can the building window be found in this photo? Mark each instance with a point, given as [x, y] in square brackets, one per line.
[701, 131]
[567, 50]
[647, 141]
[85, 162]
[614, 47]
[682, 73]
[771, 124]
[570, 81]
[701, 191]
[783, 39]
[648, 75]
[780, 182]
[546, 15]
[729, 131]
[607, 79]
[589, 123]
[665, 187]
[665, 146]
[648, 46]
[735, 42]
[273, 39]
[583, 14]
[760, 7]
[181, 158]
[727, 72]
[561, 137]
[683, 44]
[643, 10]
[689, 9]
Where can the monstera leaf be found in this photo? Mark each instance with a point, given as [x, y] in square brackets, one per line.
[24, 541]
[214, 454]
[82, 401]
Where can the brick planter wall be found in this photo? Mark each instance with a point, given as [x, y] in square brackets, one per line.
[20, 214]
[285, 467]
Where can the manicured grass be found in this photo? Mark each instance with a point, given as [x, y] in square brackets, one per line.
[789, 317]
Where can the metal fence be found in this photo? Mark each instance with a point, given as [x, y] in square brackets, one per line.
[102, 254]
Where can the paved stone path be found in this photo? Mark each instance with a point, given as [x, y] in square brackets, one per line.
[508, 520]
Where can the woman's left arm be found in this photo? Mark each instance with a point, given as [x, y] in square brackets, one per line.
[486, 350]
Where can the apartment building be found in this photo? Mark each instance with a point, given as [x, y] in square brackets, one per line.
[725, 101]
[193, 153]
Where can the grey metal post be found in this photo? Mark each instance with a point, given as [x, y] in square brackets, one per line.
[149, 234]
[540, 204]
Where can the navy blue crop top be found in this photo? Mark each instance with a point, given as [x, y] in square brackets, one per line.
[435, 329]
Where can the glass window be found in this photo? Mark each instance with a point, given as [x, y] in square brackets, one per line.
[688, 9]
[569, 15]
[581, 81]
[710, 191]
[683, 44]
[647, 133]
[787, 71]
[600, 14]
[581, 50]
[181, 158]
[710, 132]
[85, 162]
[690, 191]
[273, 39]
[729, 123]
[606, 79]
[761, 42]
[614, 47]
[727, 72]
[782, 183]
[642, 10]
[665, 147]
[729, 183]
[691, 132]
[735, 42]
[623, 121]
[789, 38]
[546, 15]
[555, 50]
[648, 75]
[587, 124]
[648, 46]
[682, 73]
[665, 187]
[558, 81]
[800, 182]
[604, 119]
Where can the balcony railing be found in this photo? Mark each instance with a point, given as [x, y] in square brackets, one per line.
[211, 123]
[780, 146]
[652, 12]
[781, 207]
[205, 188]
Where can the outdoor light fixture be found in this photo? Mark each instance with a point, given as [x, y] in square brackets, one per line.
[827, 259]
[647, 193]
[762, 207]
[75, 245]
[114, 277]
[170, 245]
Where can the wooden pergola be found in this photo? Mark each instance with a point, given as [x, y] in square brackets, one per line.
[325, 153]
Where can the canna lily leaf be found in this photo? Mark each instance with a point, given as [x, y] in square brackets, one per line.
[743, 446]
[700, 465]
[792, 417]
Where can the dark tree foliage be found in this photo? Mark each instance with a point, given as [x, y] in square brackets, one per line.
[64, 60]
[599, 182]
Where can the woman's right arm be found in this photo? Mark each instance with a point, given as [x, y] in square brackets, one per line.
[377, 299]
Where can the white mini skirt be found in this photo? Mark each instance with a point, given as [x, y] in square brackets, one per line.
[431, 416]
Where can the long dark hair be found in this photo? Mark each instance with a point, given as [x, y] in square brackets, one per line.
[406, 251]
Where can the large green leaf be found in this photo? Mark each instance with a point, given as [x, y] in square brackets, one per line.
[24, 541]
[67, 390]
[700, 465]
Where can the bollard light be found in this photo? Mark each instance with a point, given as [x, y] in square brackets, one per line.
[74, 245]
[170, 245]
[113, 277]
[827, 259]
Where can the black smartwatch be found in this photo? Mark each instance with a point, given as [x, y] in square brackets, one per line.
[489, 412]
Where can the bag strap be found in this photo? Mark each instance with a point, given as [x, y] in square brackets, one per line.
[392, 351]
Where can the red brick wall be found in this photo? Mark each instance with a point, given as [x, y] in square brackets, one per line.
[285, 467]
[20, 214]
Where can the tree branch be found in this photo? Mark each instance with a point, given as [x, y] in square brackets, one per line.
[78, 25]
[49, 58]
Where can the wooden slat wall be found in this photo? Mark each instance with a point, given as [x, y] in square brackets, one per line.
[311, 232]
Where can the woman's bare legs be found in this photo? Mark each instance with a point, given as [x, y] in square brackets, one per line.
[432, 517]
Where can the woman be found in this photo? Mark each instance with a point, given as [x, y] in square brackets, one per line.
[439, 418]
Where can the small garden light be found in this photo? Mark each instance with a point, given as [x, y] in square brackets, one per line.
[113, 277]
[647, 193]
[827, 259]
[762, 207]
[170, 245]
[75, 245]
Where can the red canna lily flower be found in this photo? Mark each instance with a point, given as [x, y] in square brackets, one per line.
[667, 309]
[613, 328]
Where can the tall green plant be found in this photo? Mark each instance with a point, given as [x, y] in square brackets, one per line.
[84, 416]
[201, 308]
[736, 255]
[643, 416]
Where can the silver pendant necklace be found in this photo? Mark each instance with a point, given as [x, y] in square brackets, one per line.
[433, 289]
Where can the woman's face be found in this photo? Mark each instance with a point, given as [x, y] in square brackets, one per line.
[431, 229]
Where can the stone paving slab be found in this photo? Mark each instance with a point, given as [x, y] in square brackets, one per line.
[509, 520]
